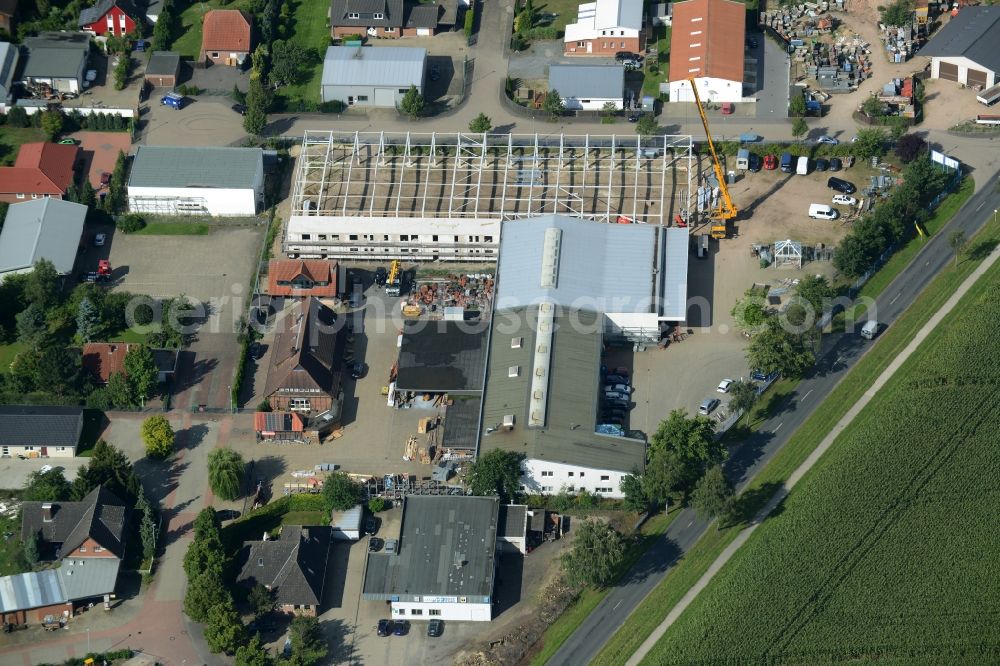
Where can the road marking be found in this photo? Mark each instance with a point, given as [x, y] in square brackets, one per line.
[690, 524]
[806, 395]
[895, 297]
[836, 362]
[617, 605]
[980, 206]
[779, 426]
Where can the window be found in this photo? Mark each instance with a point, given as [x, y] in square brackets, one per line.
[417, 611]
[34, 196]
[98, 549]
[546, 489]
[572, 473]
[547, 473]
[215, 55]
[260, 561]
[581, 44]
[298, 403]
[389, 29]
[621, 33]
[378, 16]
[20, 196]
[352, 237]
[362, 98]
[385, 237]
[321, 237]
[604, 32]
[353, 15]
[487, 239]
[402, 91]
[571, 489]
[306, 607]
[581, 475]
[83, 549]
[433, 611]
[306, 236]
[605, 477]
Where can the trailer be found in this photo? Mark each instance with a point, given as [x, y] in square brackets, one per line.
[989, 96]
[987, 120]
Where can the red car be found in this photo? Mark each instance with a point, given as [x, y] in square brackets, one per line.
[770, 162]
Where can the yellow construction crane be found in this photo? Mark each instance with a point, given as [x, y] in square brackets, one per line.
[725, 210]
[393, 283]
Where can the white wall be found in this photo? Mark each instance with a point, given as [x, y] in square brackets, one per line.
[403, 610]
[535, 478]
[593, 104]
[710, 90]
[964, 65]
[36, 451]
[164, 200]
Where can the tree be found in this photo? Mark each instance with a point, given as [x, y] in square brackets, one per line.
[140, 366]
[635, 495]
[898, 13]
[32, 547]
[114, 202]
[750, 312]
[871, 142]
[341, 492]
[693, 438]
[158, 436]
[497, 472]
[376, 504]
[744, 397]
[58, 370]
[412, 103]
[108, 467]
[797, 106]
[909, 147]
[253, 654]
[50, 486]
[120, 390]
[52, 124]
[777, 350]
[609, 110]
[597, 552]
[225, 473]
[130, 223]
[120, 73]
[205, 554]
[224, 632]
[147, 526]
[162, 37]
[957, 242]
[23, 372]
[816, 291]
[203, 592]
[713, 496]
[43, 286]
[31, 326]
[873, 108]
[87, 320]
[260, 600]
[799, 128]
[553, 104]
[17, 116]
[258, 102]
[481, 124]
[647, 125]
[308, 645]
[287, 60]
[669, 477]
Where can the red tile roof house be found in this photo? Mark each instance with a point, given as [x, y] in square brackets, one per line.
[8, 8]
[302, 277]
[40, 170]
[103, 359]
[226, 37]
[116, 18]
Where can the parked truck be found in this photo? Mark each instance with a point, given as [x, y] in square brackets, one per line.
[394, 282]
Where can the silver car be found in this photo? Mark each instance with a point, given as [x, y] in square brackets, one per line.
[707, 406]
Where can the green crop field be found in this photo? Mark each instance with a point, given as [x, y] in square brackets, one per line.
[887, 550]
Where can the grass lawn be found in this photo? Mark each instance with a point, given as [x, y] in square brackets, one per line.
[94, 422]
[565, 11]
[188, 41]
[173, 229]
[869, 556]
[128, 335]
[675, 584]
[304, 518]
[567, 623]
[11, 139]
[651, 82]
[11, 554]
[7, 354]
[310, 32]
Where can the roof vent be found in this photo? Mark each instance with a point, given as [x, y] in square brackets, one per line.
[514, 371]
[508, 421]
[550, 258]
[515, 343]
[47, 512]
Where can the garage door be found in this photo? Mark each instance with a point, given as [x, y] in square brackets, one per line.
[385, 97]
[977, 78]
[948, 72]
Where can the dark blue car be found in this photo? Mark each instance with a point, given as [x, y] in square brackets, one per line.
[401, 628]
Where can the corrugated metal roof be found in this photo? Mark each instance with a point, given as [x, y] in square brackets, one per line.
[972, 34]
[196, 166]
[587, 81]
[393, 66]
[30, 590]
[618, 14]
[349, 520]
[85, 578]
[41, 229]
[9, 55]
[673, 273]
[163, 63]
[603, 267]
[56, 54]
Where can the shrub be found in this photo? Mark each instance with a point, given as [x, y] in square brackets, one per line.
[130, 223]
[376, 504]
[470, 20]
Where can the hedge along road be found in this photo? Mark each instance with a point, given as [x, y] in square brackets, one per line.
[839, 353]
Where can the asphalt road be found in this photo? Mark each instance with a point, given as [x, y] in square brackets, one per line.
[839, 353]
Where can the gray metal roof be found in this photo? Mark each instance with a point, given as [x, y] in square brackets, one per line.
[972, 34]
[36, 425]
[85, 578]
[422, 16]
[568, 435]
[461, 423]
[588, 81]
[56, 55]
[368, 66]
[196, 166]
[163, 63]
[602, 267]
[447, 548]
[672, 273]
[41, 229]
[347, 520]
[439, 356]
[30, 590]
[513, 520]
[9, 55]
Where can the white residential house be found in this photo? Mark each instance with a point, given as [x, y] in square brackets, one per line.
[604, 28]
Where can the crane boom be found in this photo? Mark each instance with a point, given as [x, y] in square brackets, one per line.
[726, 210]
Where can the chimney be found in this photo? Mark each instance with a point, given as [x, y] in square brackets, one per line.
[47, 512]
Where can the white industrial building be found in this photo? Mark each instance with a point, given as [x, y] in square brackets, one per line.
[199, 180]
[443, 564]
[707, 46]
[588, 87]
[965, 50]
[373, 77]
[442, 197]
[41, 229]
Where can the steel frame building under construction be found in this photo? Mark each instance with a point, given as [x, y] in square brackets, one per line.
[442, 197]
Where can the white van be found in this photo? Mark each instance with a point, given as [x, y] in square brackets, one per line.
[802, 167]
[822, 212]
[869, 330]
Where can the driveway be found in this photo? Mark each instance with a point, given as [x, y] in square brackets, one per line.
[533, 63]
[206, 120]
[772, 70]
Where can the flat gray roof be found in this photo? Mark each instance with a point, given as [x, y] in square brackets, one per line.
[447, 548]
[588, 81]
[370, 66]
[461, 422]
[41, 229]
[9, 55]
[600, 266]
[84, 578]
[163, 63]
[567, 435]
[442, 356]
[972, 34]
[196, 167]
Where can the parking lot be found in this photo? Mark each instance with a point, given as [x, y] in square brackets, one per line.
[205, 120]
[99, 152]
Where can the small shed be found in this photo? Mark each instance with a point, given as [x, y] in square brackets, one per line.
[163, 69]
[346, 525]
[787, 253]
